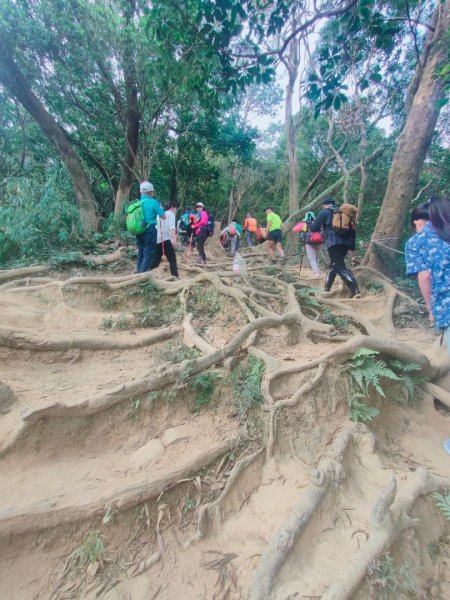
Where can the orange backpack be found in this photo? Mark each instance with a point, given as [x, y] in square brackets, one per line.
[344, 219]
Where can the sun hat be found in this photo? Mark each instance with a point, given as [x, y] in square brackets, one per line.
[200, 204]
[146, 186]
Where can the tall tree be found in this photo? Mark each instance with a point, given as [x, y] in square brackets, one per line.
[426, 91]
[13, 80]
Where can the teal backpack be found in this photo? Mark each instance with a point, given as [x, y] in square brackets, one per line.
[135, 219]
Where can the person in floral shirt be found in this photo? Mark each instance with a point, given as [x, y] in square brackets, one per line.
[428, 257]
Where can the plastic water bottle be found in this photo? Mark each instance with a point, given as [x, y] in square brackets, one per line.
[239, 265]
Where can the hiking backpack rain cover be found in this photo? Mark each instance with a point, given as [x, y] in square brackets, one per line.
[344, 220]
[135, 219]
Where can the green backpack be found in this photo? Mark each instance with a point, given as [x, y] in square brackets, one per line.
[135, 219]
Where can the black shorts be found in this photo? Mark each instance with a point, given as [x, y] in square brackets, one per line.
[275, 236]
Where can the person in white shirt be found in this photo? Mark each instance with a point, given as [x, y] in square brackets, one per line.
[166, 241]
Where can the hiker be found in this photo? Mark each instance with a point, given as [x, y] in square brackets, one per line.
[312, 241]
[337, 244]
[427, 255]
[184, 226]
[167, 240]
[146, 242]
[261, 234]
[200, 230]
[274, 235]
[250, 228]
[231, 237]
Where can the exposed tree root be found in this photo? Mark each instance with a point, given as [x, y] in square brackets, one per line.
[44, 515]
[160, 377]
[24, 272]
[389, 519]
[329, 471]
[27, 282]
[365, 323]
[292, 401]
[104, 259]
[27, 340]
[207, 511]
[438, 393]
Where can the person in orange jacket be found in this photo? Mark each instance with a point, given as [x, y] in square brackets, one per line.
[250, 227]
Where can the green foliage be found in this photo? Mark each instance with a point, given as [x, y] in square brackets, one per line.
[359, 411]
[434, 550]
[119, 324]
[387, 582]
[246, 384]
[155, 312]
[134, 408]
[341, 323]
[66, 258]
[188, 505]
[91, 550]
[110, 303]
[306, 297]
[204, 301]
[443, 503]
[39, 220]
[368, 373]
[176, 352]
[203, 386]
[411, 380]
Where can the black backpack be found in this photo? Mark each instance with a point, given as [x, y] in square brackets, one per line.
[210, 226]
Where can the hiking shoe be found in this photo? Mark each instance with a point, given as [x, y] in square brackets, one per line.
[283, 261]
[356, 295]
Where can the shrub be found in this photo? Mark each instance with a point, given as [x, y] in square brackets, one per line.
[38, 219]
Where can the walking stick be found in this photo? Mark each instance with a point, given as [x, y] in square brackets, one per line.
[189, 247]
[301, 260]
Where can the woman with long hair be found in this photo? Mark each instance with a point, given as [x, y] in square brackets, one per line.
[428, 257]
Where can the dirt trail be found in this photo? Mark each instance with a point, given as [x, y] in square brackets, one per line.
[138, 471]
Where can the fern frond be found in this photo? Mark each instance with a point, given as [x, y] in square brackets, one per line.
[443, 503]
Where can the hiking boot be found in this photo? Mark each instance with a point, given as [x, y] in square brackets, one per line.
[329, 280]
[349, 279]
[283, 261]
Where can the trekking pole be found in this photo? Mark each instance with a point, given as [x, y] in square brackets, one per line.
[301, 260]
[189, 247]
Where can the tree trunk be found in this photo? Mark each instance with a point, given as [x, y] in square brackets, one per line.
[15, 82]
[412, 144]
[292, 67]
[133, 116]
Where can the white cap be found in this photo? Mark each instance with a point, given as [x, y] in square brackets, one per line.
[146, 186]
[200, 204]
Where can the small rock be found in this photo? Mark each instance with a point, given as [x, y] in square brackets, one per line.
[147, 453]
[7, 398]
[176, 434]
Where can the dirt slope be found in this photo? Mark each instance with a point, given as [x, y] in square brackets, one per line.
[133, 466]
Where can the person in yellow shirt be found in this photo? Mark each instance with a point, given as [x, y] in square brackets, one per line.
[275, 236]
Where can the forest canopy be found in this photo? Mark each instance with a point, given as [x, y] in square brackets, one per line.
[96, 97]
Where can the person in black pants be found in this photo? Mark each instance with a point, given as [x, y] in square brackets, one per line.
[337, 248]
[200, 229]
[167, 240]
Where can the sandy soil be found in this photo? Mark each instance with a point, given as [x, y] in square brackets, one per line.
[138, 471]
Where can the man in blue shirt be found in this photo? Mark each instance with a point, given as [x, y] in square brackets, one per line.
[146, 242]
